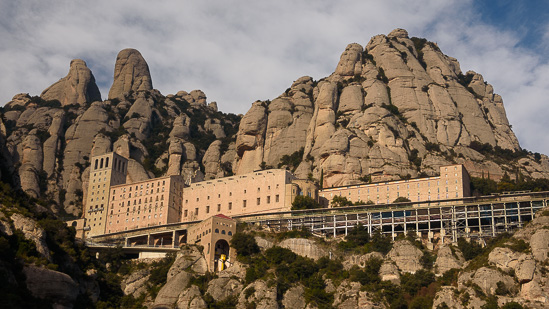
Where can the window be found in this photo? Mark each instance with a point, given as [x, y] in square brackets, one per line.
[207, 209]
[218, 207]
[196, 211]
[268, 199]
[244, 203]
[258, 200]
[230, 205]
[277, 198]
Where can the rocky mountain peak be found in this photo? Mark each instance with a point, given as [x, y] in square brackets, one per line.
[398, 33]
[78, 87]
[131, 73]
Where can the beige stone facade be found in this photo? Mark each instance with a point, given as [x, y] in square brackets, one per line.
[214, 234]
[453, 182]
[253, 193]
[146, 203]
[105, 171]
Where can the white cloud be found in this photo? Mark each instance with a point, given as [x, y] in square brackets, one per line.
[239, 51]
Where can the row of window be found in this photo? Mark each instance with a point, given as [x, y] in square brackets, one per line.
[119, 165]
[206, 232]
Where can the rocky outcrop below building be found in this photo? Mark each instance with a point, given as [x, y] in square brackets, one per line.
[396, 107]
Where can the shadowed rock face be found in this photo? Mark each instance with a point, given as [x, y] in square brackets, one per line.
[78, 87]
[131, 73]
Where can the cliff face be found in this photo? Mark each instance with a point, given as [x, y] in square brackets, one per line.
[52, 137]
[397, 108]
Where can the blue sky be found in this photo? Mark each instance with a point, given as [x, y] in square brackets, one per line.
[240, 51]
[528, 19]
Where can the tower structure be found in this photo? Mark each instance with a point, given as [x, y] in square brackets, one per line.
[106, 170]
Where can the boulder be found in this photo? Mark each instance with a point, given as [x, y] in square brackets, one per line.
[221, 288]
[136, 283]
[525, 269]
[293, 297]
[360, 260]
[389, 272]
[52, 286]
[346, 295]
[263, 243]
[540, 245]
[32, 232]
[191, 299]
[447, 295]
[487, 279]
[304, 247]
[188, 258]
[260, 294]
[447, 258]
[406, 256]
[169, 293]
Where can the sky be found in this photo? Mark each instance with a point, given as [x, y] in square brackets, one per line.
[238, 51]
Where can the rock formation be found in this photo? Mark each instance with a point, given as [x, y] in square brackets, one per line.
[78, 87]
[131, 73]
[395, 108]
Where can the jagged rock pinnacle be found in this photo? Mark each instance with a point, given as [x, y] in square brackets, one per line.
[78, 87]
[131, 73]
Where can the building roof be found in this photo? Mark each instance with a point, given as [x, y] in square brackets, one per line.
[223, 216]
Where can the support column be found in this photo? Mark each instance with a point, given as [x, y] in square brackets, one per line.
[492, 219]
[346, 223]
[393, 225]
[505, 216]
[334, 224]
[173, 240]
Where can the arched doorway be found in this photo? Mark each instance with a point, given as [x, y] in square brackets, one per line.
[221, 253]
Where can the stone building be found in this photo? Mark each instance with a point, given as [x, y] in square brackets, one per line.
[146, 203]
[105, 171]
[214, 234]
[258, 192]
[453, 182]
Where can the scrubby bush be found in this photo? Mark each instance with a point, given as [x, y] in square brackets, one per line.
[244, 244]
[304, 202]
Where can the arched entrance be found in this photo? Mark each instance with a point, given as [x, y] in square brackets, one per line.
[221, 253]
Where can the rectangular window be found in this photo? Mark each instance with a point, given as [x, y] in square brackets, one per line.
[277, 198]
[258, 200]
[230, 205]
[185, 213]
[218, 207]
[196, 211]
[244, 203]
[207, 209]
[268, 199]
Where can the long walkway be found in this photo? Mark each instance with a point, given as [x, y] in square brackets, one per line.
[446, 220]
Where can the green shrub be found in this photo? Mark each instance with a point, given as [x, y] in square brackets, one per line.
[244, 244]
[369, 275]
[304, 202]
[341, 201]
[470, 250]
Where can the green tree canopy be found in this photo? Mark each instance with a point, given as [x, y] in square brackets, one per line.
[304, 202]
